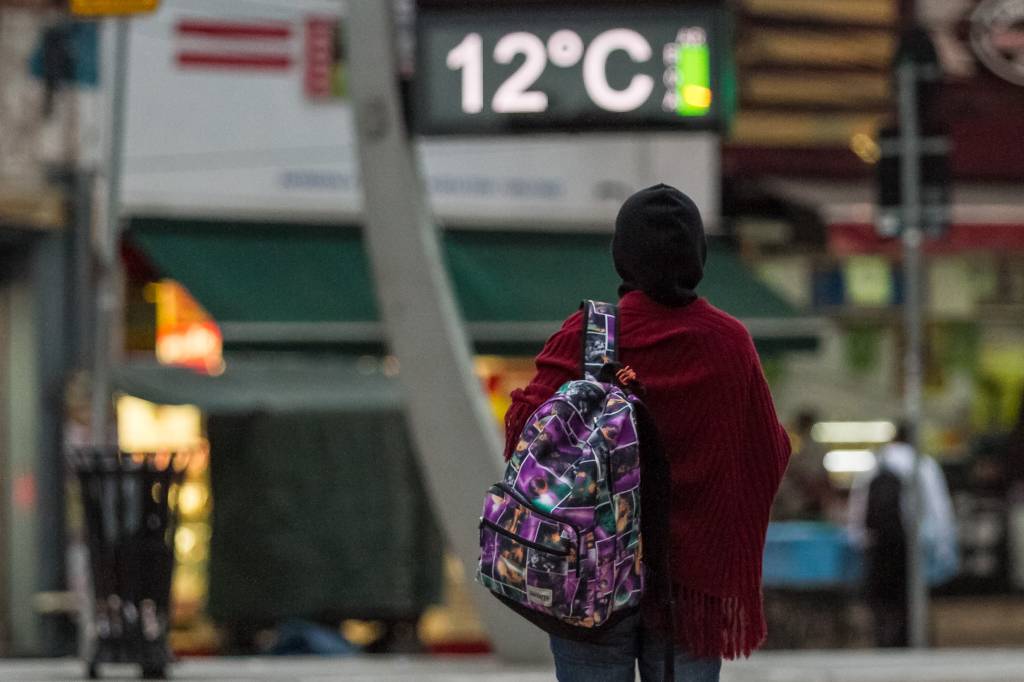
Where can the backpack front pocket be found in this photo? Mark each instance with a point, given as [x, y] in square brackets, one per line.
[526, 556]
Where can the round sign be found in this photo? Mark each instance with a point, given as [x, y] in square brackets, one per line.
[997, 36]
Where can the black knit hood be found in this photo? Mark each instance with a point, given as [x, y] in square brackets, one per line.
[659, 246]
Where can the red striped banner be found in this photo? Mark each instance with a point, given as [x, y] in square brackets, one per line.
[319, 56]
[227, 29]
[200, 59]
[230, 44]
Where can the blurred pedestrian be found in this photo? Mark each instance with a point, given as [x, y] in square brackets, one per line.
[805, 493]
[879, 516]
[1013, 462]
[1013, 457]
[707, 393]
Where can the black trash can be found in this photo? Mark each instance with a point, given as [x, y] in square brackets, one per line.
[129, 502]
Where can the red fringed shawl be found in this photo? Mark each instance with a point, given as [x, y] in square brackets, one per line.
[707, 393]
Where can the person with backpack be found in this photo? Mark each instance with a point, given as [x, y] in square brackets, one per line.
[705, 392]
[878, 518]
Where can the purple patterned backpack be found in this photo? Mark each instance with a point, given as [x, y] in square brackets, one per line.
[560, 534]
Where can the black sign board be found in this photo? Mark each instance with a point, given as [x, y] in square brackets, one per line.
[490, 68]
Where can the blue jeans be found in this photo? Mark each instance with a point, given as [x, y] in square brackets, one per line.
[615, 656]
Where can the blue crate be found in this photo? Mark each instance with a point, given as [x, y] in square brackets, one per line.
[809, 554]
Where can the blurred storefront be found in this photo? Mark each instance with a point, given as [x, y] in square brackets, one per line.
[38, 341]
[317, 438]
[305, 390]
[241, 184]
[800, 186]
[260, 224]
[35, 349]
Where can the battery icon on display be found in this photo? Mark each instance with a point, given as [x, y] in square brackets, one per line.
[693, 74]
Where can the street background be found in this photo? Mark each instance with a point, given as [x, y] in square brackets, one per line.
[946, 666]
[227, 273]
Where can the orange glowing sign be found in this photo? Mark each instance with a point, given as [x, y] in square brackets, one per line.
[186, 335]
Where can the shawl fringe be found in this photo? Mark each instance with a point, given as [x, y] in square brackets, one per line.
[719, 627]
[515, 419]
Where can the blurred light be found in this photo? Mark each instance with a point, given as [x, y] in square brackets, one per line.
[24, 493]
[853, 432]
[186, 335]
[868, 280]
[189, 585]
[849, 461]
[191, 498]
[391, 366]
[197, 342]
[185, 541]
[199, 458]
[362, 632]
[697, 96]
[162, 459]
[143, 426]
[866, 148]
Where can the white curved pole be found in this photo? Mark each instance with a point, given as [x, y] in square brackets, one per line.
[452, 428]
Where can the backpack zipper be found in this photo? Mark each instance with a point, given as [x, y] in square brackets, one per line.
[526, 543]
[515, 495]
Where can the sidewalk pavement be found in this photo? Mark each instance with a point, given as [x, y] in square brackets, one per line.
[976, 665]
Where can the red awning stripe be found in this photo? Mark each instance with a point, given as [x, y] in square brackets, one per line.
[234, 61]
[233, 30]
[861, 238]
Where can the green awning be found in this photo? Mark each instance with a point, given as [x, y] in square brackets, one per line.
[283, 383]
[271, 284]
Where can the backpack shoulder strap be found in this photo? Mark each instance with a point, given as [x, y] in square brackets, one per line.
[600, 336]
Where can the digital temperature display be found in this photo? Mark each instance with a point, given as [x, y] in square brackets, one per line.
[571, 67]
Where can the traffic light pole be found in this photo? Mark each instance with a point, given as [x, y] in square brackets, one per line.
[907, 75]
[107, 235]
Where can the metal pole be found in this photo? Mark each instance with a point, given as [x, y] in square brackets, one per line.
[910, 186]
[82, 275]
[456, 439]
[108, 233]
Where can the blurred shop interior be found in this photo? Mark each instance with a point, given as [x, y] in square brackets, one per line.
[251, 339]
